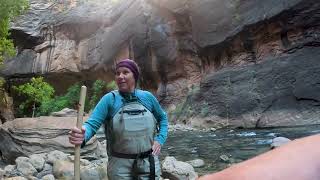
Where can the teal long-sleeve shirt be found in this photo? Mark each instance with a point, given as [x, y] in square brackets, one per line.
[110, 103]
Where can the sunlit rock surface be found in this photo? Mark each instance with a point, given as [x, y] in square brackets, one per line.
[26, 136]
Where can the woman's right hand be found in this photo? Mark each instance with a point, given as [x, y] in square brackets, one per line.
[76, 135]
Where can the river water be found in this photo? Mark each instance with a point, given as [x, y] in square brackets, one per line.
[237, 145]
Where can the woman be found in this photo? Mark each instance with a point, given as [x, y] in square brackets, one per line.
[131, 117]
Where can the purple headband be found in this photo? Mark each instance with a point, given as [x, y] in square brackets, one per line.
[130, 65]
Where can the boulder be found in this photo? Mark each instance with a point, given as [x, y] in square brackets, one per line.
[66, 112]
[9, 168]
[196, 163]
[26, 136]
[93, 172]
[25, 167]
[63, 169]
[37, 161]
[177, 170]
[47, 171]
[56, 155]
[279, 141]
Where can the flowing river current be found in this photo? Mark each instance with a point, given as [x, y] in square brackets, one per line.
[223, 147]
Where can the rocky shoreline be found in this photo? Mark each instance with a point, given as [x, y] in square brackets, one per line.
[59, 165]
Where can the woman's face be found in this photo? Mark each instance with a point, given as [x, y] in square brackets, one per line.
[125, 79]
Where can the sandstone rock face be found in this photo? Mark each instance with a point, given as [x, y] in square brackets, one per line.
[26, 136]
[278, 66]
[271, 93]
[6, 108]
[213, 62]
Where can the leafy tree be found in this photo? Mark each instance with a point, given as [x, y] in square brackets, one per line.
[69, 100]
[99, 88]
[36, 92]
[53, 105]
[111, 86]
[8, 10]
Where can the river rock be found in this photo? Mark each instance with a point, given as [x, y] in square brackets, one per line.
[63, 169]
[56, 155]
[37, 161]
[181, 127]
[177, 170]
[196, 163]
[47, 170]
[279, 141]
[9, 168]
[102, 149]
[65, 112]
[48, 177]
[84, 162]
[224, 158]
[93, 172]
[26, 136]
[25, 167]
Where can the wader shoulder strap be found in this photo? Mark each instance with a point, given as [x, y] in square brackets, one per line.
[108, 126]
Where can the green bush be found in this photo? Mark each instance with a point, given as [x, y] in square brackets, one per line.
[111, 86]
[39, 94]
[54, 105]
[99, 89]
[69, 100]
[35, 93]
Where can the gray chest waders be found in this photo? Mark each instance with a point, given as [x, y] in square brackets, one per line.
[131, 134]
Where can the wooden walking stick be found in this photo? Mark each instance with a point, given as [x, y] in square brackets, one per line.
[79, 124]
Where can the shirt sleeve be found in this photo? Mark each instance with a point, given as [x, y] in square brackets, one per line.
[162, 118]
[98, 116]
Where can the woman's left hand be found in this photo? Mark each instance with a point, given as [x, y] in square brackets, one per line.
[156, 148]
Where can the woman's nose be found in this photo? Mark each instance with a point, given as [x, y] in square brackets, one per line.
[121, 75]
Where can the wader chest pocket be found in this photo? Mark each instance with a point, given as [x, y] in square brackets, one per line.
[135, 123]
[134, 112]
